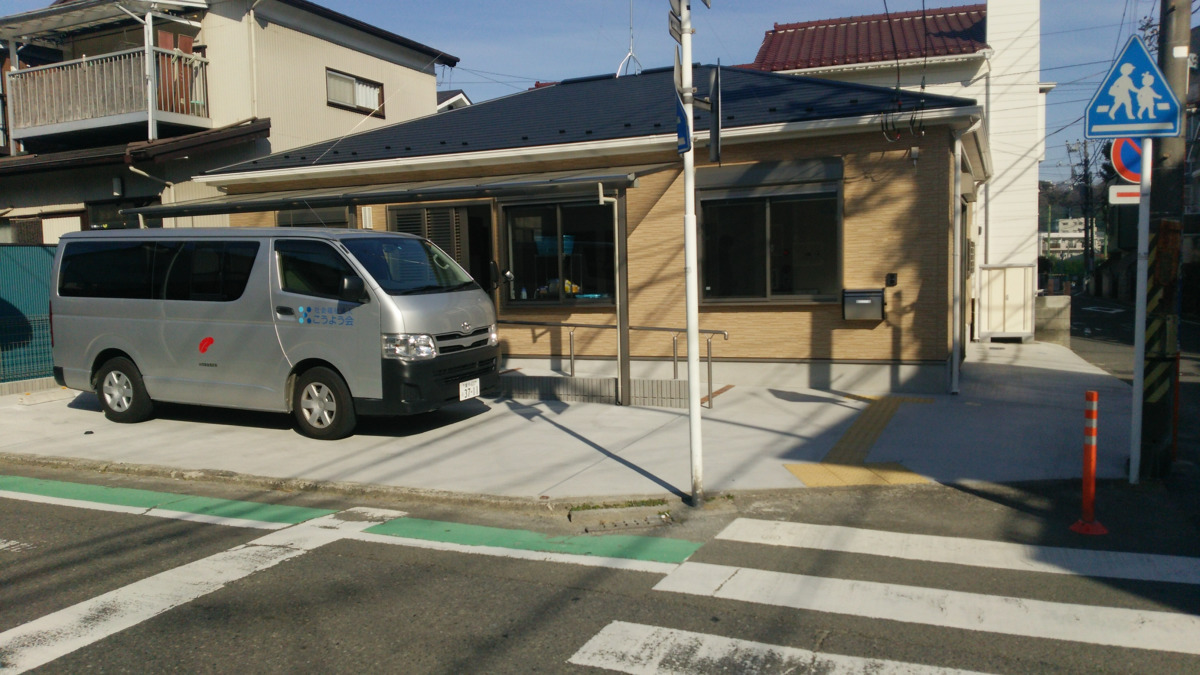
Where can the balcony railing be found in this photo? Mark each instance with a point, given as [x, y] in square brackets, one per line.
[108, 85]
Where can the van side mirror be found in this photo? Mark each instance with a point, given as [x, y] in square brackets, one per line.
[353, 289]
[496, 277]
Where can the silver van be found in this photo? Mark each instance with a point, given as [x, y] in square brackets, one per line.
[325, 324]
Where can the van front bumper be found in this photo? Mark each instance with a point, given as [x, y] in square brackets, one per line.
[411, 387]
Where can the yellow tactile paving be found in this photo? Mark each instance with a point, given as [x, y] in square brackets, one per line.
[845, 464]
[837, 475]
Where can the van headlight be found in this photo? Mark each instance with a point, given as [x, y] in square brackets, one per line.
[493, 336]
[407, 347]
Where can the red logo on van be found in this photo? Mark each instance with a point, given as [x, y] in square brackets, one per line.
[205, 344]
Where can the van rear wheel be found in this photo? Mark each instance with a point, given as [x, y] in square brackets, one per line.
[122, 393]
[322, 405]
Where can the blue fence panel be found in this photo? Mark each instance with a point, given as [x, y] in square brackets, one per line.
[24, 305]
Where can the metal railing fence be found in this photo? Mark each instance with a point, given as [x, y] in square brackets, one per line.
[25, 348]
[107, 85]
[674, 342]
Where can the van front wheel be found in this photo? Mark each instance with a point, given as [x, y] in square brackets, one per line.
[122, 393]
[323, 407]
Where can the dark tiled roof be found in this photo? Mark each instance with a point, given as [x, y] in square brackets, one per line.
[443, 96]
[866, 39]
[601, 109]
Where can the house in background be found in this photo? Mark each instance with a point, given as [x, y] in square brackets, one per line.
[987, 52]
[831, 254]
[113, 104]
[452, 99]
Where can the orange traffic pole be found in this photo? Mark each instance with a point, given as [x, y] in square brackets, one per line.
[1091, 414]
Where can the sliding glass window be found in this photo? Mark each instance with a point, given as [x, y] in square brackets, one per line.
[785, 247]
[561, 253]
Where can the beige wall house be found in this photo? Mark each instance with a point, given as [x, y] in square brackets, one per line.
[111, 104]
[812, 211]
[988, 52]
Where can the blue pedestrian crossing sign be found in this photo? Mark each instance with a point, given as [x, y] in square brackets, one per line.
[1133, 100]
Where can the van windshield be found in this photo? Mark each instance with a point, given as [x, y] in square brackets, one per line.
[405, 266]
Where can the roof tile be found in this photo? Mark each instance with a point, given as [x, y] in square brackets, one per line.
[878, 37]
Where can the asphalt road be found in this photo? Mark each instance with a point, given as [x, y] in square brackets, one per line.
[1102, 332]
[343, 604]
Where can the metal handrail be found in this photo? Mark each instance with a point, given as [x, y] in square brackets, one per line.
[674, 342]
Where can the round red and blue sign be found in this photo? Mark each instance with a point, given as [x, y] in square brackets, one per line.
[1127, 159]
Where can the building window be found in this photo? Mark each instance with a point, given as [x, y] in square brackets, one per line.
[561, 253]
[785, 247]
[26, 231]
[354, 93]
[327, 216]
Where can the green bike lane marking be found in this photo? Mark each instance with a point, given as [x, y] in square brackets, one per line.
[652, 549]
[148, 499]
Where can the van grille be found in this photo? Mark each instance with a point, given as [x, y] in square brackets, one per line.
[448, 343]
[466, 371]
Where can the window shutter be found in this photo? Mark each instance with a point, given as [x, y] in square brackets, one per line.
[409, 222]
[440, 225]
[366, 95]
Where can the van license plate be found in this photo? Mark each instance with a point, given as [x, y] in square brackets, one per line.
[468, 390]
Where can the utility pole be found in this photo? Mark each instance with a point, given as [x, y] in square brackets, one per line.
[1166, 207]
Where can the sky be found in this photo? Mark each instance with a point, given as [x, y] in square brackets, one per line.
[505, 46]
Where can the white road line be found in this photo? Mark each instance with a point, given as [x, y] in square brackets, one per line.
[650, 650]
[973, 552]
[142, 511]
[55, 635]
[75, 503]
[14, 546]
[1137, 629]
[626, 564]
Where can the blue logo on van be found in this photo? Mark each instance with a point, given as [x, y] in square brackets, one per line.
[325, 316]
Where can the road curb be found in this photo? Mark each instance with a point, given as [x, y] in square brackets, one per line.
[561, 506]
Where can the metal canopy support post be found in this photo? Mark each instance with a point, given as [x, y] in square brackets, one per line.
[621, 293]
[691, 259]
[1139, 321]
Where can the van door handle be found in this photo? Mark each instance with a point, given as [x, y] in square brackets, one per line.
[284, 311]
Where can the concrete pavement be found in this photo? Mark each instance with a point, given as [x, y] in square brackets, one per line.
[1018, 417]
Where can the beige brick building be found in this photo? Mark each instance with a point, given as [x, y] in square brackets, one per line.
[578, 190]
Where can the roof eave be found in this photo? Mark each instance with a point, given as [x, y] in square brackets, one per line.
[958, 117]
[980, 55]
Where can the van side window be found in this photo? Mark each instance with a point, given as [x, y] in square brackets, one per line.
[207, 271]
[107, 269]
[311, 267]
[212, 271]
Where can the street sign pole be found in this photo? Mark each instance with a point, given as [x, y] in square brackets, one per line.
[691, 262]
[1136, 100]
[1139, 321]
[679, 22]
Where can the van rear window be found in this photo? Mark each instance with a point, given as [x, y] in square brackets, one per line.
[199, 271]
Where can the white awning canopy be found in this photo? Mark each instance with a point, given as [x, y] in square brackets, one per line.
[43, 26]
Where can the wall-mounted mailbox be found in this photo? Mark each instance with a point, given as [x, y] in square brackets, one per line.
[863, 305]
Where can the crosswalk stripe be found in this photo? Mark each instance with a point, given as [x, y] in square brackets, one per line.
[1137, 629]
[14, 546]
[55, 635]
[651, 650]
[973, 552]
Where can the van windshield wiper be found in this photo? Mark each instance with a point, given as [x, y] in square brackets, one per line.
[433, 288]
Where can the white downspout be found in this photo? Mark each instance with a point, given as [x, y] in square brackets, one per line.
[151, 79]
[166, 183]
[956, 293]
[14, 65]
[253, 60]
